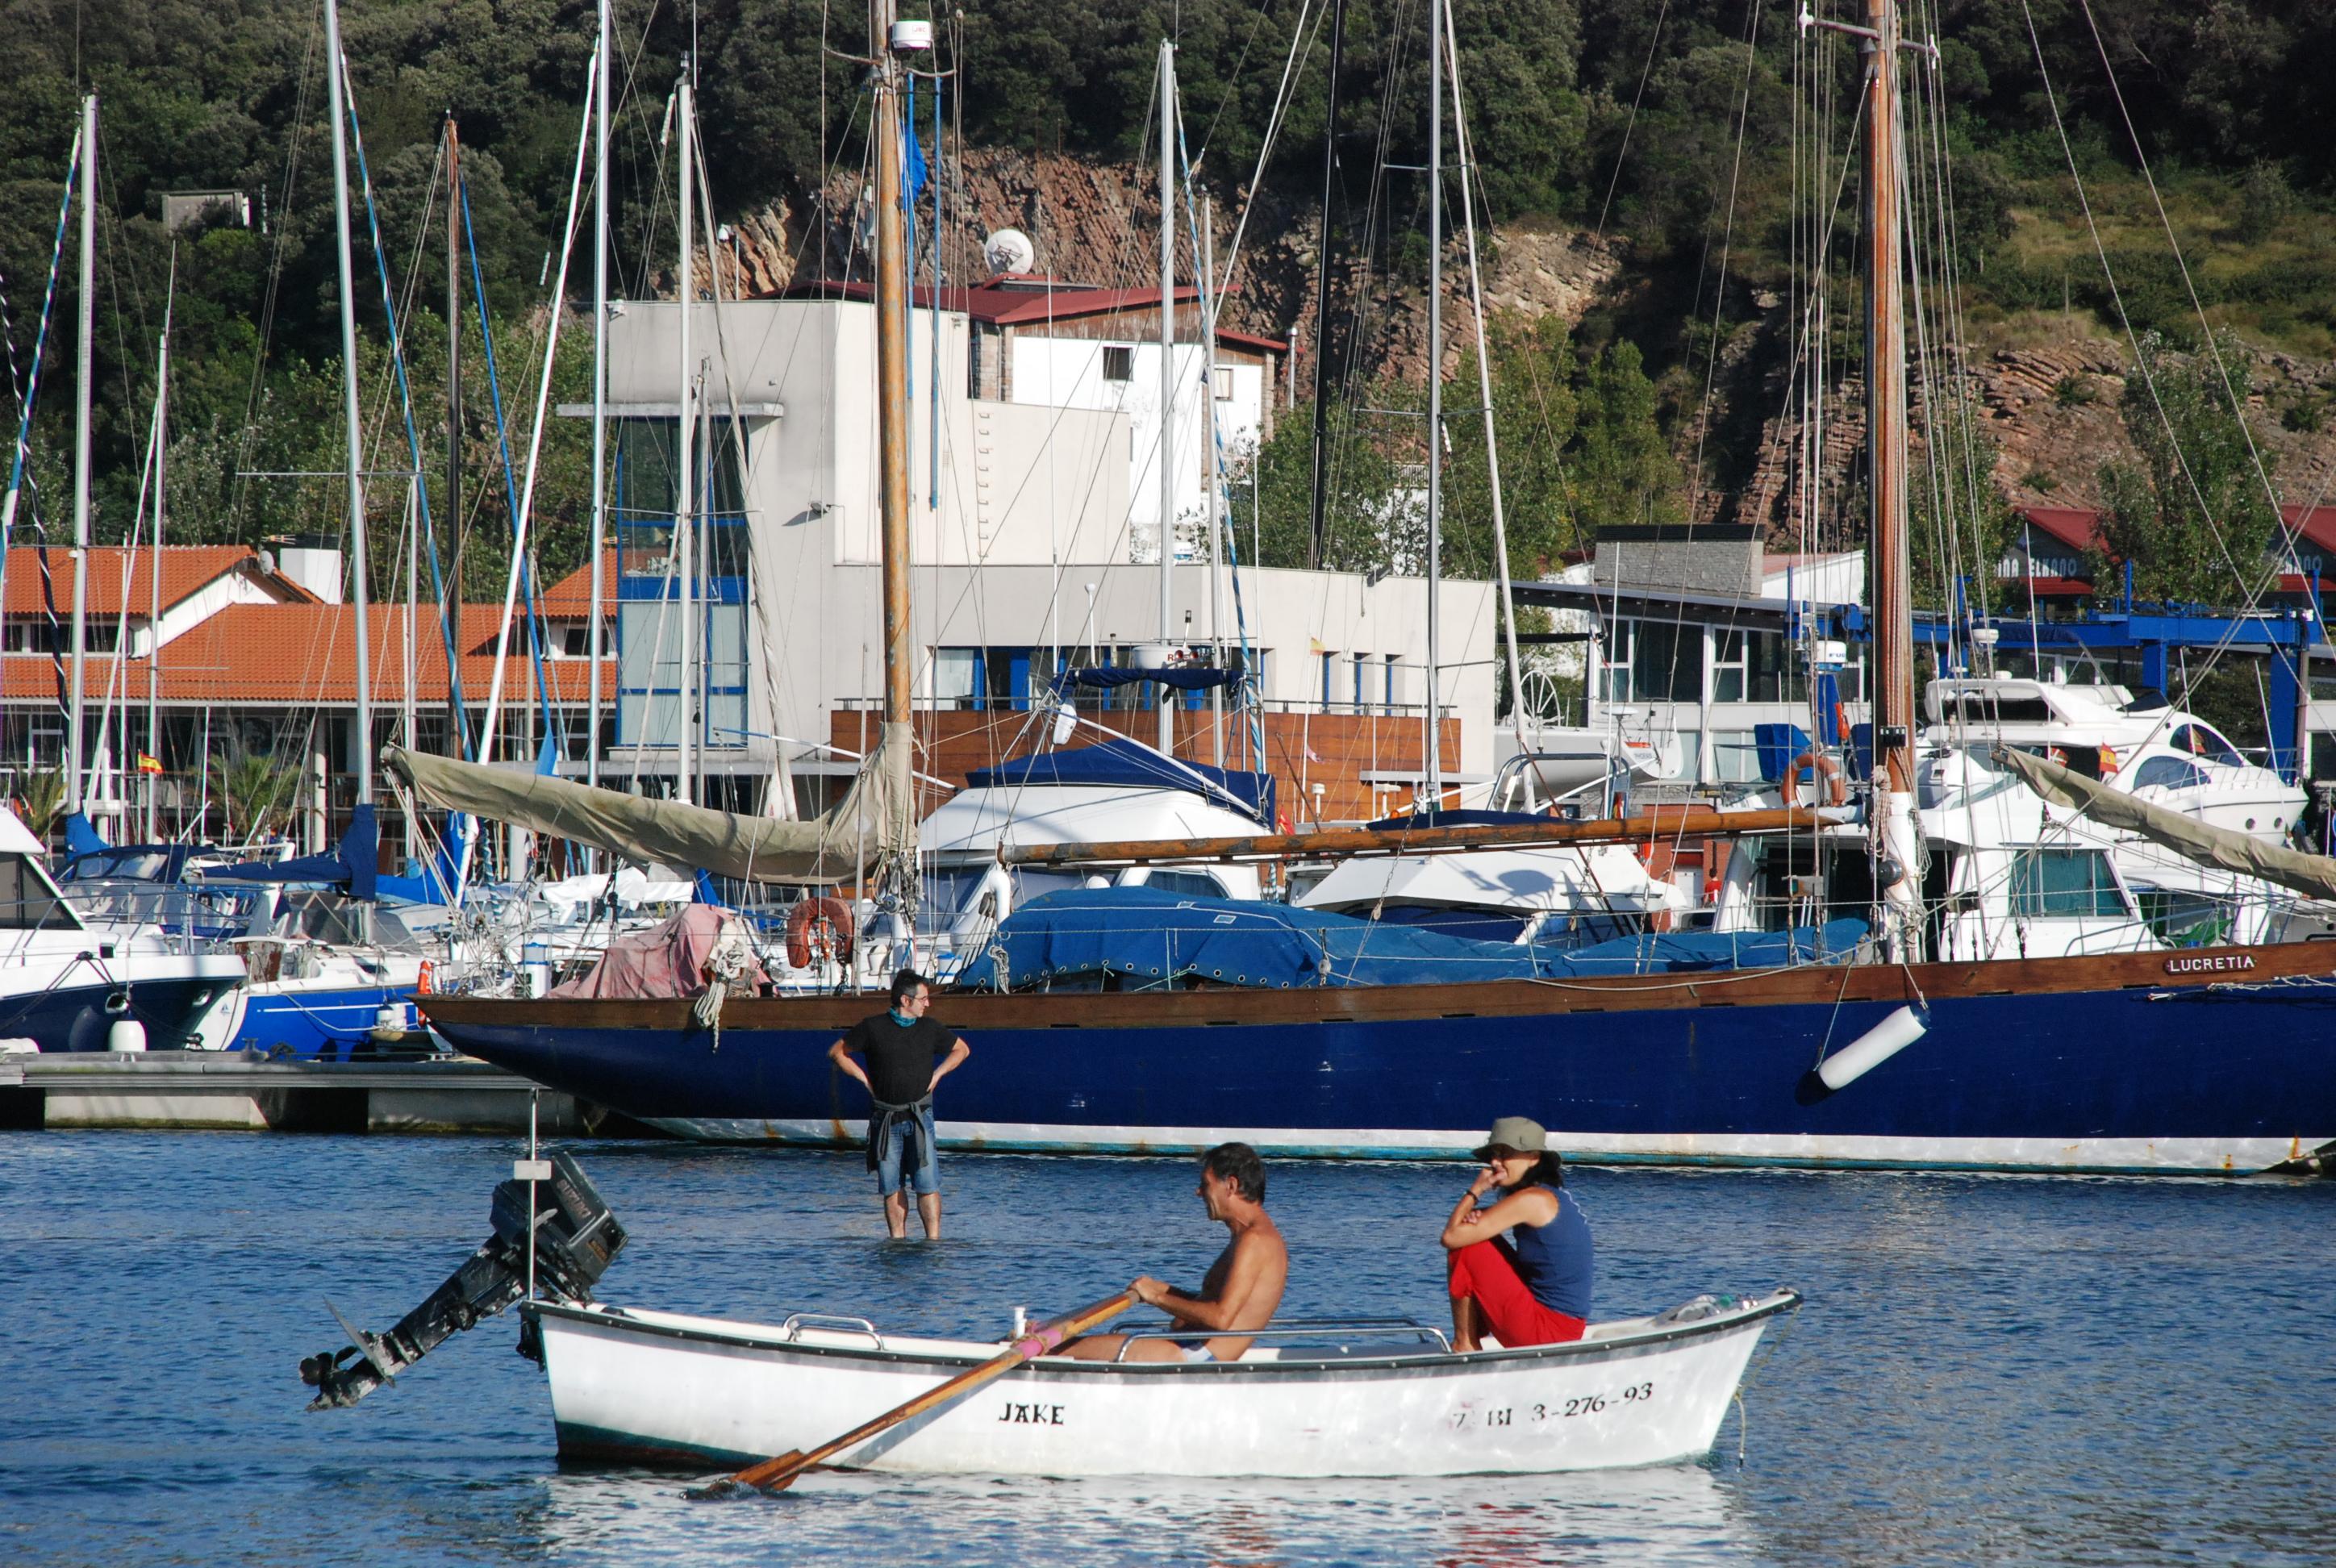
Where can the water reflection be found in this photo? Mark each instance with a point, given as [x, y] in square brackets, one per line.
[1674, 1514]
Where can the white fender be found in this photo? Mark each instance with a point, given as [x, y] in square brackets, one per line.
[1874, 1047]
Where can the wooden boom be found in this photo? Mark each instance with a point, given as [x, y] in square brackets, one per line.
[1661, 823]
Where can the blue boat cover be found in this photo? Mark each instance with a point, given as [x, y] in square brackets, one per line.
[354, 861]
[1124, 763]
[133, 862]
[1685, 952]
[82, 837]
[1183, 677]
[1153, 939]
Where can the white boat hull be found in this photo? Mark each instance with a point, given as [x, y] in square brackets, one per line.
[654, 1387]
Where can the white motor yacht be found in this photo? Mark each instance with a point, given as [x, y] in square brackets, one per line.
[71, 984]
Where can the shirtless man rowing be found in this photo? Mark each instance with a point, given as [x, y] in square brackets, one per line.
[1244, 1286]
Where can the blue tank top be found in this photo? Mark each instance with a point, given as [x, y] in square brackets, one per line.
[1554, 1260]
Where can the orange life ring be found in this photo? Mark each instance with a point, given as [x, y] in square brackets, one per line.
[818, 927]
[421, 980]
[1822, 767]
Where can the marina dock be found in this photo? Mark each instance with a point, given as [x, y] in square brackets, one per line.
[231, 1090]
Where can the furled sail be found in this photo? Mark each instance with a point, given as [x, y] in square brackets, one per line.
[875, 820]
[2314, 875]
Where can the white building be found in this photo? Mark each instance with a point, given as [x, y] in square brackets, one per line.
[1034, 482]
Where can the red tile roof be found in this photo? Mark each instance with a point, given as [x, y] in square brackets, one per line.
[304, 655]
[187, 569]
[570, 599]
[2077, 527]
[2315, 523]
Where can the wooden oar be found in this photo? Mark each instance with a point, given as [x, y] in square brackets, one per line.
[777, 1475]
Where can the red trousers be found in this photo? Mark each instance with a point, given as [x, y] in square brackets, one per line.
[1506, 1309]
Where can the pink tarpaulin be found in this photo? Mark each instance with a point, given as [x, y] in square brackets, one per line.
[669, 961]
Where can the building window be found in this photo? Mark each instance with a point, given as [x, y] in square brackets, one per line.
[1735, 759]
[1362, 686]
[1654, 661]
[1223, 376]
[1756, 666]
[1329, 667]
[1118, 362]
[1390, 683]
[957, 677]
[33, 634]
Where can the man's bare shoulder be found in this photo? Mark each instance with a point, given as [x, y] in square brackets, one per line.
[1262, 1237]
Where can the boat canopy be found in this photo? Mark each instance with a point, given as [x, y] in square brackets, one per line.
[1183, 677]
[354, 862]
[875, 817]
[1125, 764]
[1149, 941]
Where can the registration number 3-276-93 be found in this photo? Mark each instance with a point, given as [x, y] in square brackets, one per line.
[1561, 1410]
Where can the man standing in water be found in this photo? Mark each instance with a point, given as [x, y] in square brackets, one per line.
[1244, 1285]
[907, 1055]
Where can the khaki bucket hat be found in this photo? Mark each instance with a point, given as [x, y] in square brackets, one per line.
[1519, 1133]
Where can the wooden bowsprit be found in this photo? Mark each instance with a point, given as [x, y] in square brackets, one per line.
[776, 1474]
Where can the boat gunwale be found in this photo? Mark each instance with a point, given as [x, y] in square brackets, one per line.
[1783, 1298]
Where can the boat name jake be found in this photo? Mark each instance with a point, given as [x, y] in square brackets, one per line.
[2212, 964]
[1038, 1414]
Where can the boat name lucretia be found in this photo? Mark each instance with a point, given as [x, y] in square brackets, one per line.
[2217, 964]
[1027, 1415]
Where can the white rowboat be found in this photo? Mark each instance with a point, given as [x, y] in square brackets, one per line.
[1381, 1396]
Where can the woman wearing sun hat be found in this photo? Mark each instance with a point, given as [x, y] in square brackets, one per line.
[1531, 1286]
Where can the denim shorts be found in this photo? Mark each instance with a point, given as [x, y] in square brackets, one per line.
[926, 1178]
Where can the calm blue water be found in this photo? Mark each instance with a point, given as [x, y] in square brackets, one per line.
[1997, 1370]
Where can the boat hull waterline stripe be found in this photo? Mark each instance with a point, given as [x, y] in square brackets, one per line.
[2095, 1157]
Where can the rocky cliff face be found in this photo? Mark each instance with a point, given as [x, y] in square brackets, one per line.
[2050, 407]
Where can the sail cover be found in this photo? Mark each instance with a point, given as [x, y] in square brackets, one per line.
[2313, 875]
[876, 818]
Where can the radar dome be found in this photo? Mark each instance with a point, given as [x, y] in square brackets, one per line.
[1009, 250]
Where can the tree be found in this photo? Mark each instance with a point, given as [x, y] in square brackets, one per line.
[255, 790]
[1366, 491]
[2193, 517]
[1624, 471]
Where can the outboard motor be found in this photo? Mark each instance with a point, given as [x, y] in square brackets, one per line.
[576, 1238]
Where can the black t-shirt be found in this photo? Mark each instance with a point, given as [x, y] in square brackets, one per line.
[900, 1058]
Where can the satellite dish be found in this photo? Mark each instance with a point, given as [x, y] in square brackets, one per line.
[1009, 250]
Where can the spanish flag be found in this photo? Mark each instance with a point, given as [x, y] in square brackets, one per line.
[149, 763]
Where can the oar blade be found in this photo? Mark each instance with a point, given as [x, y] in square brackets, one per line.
[774, 1475]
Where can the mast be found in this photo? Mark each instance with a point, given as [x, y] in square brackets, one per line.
[84, 375]
[1896, 849]
[1315, 540]
[1460, 145]
[1209, 465]
[1435, 747]
[599, 400]
[154, 562]
[339, 107]
[891, 387]
[685, 497]
[454, 396]
[1167, 380]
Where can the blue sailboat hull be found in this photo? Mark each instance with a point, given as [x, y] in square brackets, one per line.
[2095, 1064]
[330, 1025]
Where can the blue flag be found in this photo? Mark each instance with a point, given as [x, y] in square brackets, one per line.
[915, 178]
